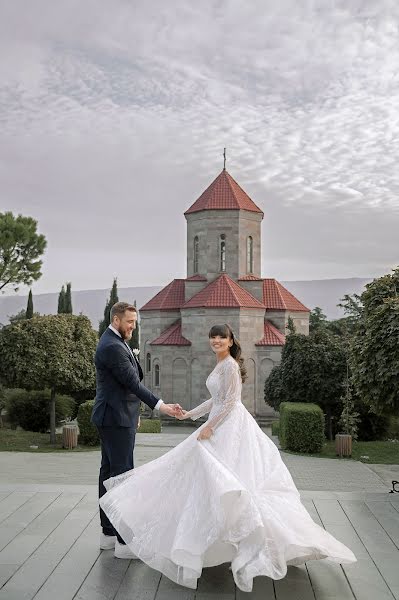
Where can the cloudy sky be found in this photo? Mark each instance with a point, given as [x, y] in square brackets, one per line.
[114, 115]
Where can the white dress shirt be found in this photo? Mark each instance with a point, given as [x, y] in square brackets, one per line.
[158, 404]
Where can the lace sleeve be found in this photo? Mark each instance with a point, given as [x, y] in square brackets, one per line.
[230, 393]
[200, 410]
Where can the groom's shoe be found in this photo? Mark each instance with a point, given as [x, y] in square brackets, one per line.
[107, 542]
[123, 551]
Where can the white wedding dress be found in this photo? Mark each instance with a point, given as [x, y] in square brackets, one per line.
[226, 499]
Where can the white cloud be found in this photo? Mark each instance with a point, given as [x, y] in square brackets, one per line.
[114, 117]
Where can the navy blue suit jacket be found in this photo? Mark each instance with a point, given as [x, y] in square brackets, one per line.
[118, 387]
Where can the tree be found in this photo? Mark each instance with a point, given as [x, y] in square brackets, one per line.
[317, 319]
[54, 352]
[2, 403]
[61, 301]
[134, 341]
[19, 316]
[68, 299]
[113, 299]
[29, 307]
[274, 388]
[374, 354]
[20, 250]
[350, 418]
[312, 369]
[290, 325]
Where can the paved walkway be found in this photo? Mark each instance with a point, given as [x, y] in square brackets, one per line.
[81, 468]
[49, 533]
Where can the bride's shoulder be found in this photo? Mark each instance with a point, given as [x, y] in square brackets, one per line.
[230, 364]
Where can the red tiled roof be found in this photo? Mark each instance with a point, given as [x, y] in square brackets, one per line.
[250, 278]
[224, 193]
[277, 297]
[196, 278]
[223, 293]
[272, 337]
[171, 337]
[170, 297]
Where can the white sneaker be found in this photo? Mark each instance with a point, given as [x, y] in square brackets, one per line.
[123, 551]
[107, 542]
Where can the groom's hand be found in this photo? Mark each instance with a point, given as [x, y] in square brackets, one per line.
[172, 410]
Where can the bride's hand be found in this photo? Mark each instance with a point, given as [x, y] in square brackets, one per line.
[183, 414]
[205, 433]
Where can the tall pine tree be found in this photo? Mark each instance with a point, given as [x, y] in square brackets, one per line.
[134, 341]
[29, 307]
[68, 299]
[61, 301]
[113, 298]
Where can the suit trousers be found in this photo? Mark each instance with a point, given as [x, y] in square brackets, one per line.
[117, 445]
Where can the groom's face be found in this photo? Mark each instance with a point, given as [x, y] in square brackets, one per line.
[126, 324]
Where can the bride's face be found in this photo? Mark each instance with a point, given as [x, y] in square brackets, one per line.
[220, 345]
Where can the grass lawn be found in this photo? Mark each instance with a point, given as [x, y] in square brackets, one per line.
[21, 441]
[368, 452]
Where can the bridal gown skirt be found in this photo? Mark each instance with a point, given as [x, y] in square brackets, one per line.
[226, 499]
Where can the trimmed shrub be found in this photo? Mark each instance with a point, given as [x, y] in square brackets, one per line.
[149, 426]
[31, 410]
[81, 397]
[276, 428]
[301, 427]
[88, 433]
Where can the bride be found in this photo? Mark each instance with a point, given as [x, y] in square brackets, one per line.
[222, 495]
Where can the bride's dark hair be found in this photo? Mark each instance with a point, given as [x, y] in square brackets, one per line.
[225, 331]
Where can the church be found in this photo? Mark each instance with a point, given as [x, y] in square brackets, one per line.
[224, 284]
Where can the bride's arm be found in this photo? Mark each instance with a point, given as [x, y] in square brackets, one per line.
[200, 410]
[230, 393]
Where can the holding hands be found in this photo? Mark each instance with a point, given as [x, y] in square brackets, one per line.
[175, 410]
[172, 410]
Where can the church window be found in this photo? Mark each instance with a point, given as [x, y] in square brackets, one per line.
[196, 254]
[223, 252]
[250, 255]
[157, 376]
[148, 362]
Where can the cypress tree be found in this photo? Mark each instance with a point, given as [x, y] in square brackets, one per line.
[68, 299]
[61, 301]
[134, 342]
[29, 307]
[113, 299]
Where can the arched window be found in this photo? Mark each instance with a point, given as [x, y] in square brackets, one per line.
[250, 255]
[196, 254]
[157, 376]
[222, 243]
[148, 364]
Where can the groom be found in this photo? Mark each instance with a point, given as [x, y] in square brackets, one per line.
[116, 408]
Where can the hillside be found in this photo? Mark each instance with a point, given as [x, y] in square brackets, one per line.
[325, 293]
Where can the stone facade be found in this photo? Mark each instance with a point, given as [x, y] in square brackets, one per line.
[177, 369]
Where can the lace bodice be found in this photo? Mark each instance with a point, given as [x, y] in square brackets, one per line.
[224, 385]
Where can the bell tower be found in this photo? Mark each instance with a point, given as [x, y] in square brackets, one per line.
[224, 232]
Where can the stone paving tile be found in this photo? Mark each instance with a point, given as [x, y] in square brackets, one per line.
[350, 498]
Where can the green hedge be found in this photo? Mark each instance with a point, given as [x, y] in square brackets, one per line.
[149, 426]
[88, 433]
[276, 428]
[31, 410]
[301, 427]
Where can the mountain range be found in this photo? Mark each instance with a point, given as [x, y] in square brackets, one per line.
[325, 293]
